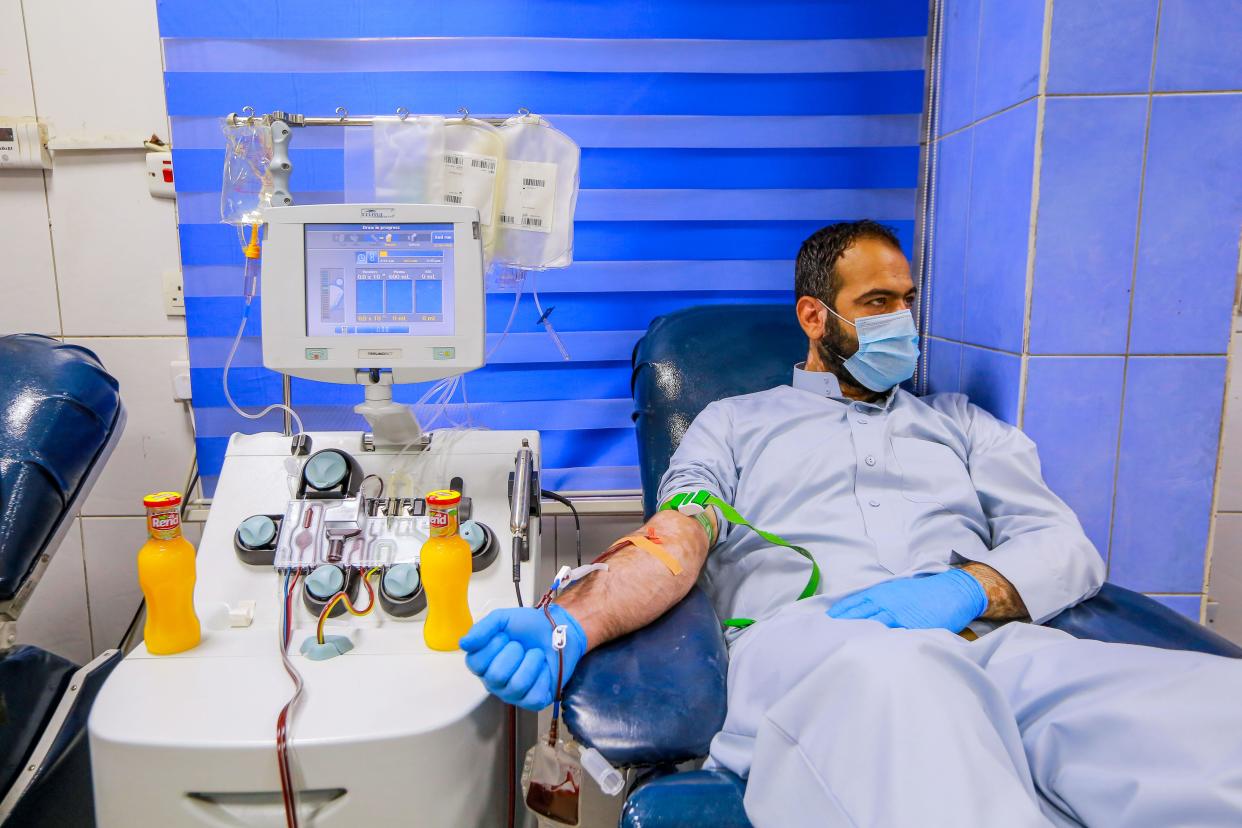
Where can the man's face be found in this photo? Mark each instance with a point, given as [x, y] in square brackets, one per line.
[875, 279]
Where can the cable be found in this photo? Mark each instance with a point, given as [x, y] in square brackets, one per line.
[564, 501]
[343, 597]
[512, 763]
[228, 363]
[288, 791]
[519, 277]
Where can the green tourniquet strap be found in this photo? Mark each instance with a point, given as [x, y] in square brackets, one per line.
[703, 499]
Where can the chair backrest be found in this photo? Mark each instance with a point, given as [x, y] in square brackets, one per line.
[59, 412]
[692, 357]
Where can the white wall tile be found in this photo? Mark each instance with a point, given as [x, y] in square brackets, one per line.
[1226, 584]
[1229, 498]
[598, 533]
[16, 97]
[110, 546]
[157, 444]
[27, 277]
[113, 242]
[97, 66]
[56, 617]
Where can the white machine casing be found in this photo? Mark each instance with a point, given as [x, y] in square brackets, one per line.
[391, 733]
[289, 349]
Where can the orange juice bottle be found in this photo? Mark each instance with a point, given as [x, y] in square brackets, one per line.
[166, 575]
[444, 565]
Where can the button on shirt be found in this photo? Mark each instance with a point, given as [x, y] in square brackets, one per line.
[905, 486]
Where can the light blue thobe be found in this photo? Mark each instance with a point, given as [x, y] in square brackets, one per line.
[850, 723]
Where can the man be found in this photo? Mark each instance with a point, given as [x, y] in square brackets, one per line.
[861, 705]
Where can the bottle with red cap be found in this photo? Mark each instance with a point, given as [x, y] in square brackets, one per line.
[444, 565]
[166, 575]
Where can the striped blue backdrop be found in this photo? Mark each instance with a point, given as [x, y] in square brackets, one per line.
[715, 134]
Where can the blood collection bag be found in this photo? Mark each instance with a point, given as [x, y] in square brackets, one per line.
[474, 168]
[552, 780]
[409, 159]
[539, 195]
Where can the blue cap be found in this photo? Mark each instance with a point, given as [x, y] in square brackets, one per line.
[474, 534]
[325, 470]
[256, 531]
[401, 581]
[326, 581]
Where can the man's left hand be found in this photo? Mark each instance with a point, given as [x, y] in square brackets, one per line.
[948, 600]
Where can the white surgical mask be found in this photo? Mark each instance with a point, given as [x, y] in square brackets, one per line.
[888, 348]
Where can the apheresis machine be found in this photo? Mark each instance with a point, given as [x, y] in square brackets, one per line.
[288, 702]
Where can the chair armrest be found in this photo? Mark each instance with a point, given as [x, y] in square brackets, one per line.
[656, 695]
[1120, 616]
[693, 799]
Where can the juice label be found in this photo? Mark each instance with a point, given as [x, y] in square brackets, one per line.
[443, 522]
[164, 524]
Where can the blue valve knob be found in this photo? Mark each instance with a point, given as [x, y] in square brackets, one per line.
[325, 470]
[473, 534]
[257, 531]
[401, 581]
[327, 580]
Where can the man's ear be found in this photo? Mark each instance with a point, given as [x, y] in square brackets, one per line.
[811, 317]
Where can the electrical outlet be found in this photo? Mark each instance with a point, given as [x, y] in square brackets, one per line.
[160, 174]
[174, 293]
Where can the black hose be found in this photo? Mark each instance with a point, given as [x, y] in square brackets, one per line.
[564, 501]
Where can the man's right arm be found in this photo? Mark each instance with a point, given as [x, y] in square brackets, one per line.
[510, 649]
[638, 588]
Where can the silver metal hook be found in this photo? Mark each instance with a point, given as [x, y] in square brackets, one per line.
[523, 111]
[463, 112]
[403, 113]
[342, 114]
[248, 112]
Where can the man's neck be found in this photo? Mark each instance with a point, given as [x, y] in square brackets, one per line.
[855, 392]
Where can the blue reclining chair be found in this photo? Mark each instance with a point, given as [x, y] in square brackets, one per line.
[60, 417]
[654, 699]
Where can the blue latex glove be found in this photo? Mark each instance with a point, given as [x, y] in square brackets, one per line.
[950, 600]
[511, 651]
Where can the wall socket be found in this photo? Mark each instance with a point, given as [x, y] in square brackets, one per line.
[174, 293]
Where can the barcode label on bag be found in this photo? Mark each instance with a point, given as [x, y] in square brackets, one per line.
[470, 180]
[530, 196]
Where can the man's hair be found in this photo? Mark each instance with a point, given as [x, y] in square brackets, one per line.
[815, 272]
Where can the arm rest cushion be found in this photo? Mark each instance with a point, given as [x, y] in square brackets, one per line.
[656, 695]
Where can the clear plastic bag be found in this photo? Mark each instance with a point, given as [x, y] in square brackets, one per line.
[246, 188]
[409, 159]
[552, 781]
[539, 195]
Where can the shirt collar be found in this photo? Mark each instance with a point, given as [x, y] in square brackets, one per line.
[826, 384]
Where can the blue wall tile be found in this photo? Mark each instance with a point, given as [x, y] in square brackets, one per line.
[959, 64]
[991, 379]
[1010, 40]
[1199, 45]
[1192, 212]
[1088, 215]
[944, 366]
[1187, 605]
[1166, 471]
[1073, 412]
[1099, 46]
[1000, 208]
[952, 219]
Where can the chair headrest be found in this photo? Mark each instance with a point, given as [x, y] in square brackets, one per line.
[698, 355]
[59, 409]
